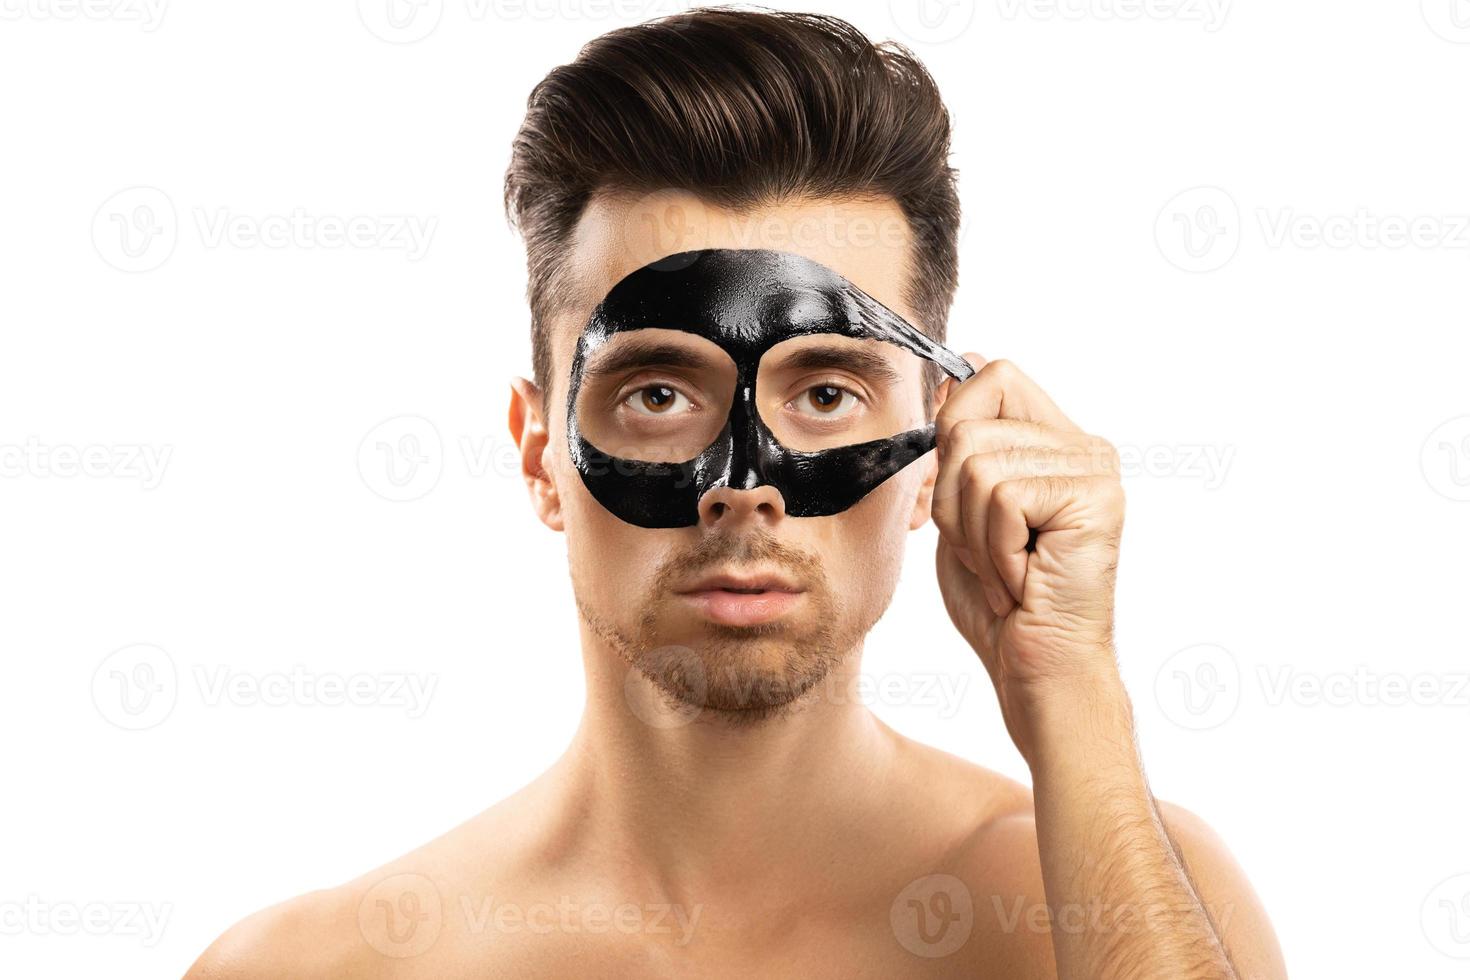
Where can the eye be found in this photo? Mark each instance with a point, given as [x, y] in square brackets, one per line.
[657, 400]
[826, 401]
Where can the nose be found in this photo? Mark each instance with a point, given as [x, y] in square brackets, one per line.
[726, 507]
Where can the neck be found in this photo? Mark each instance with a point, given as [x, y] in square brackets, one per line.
[701, 805]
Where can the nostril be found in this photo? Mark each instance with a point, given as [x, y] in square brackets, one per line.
[724, 504]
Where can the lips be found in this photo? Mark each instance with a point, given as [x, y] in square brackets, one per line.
[743, 583]
[750, 599]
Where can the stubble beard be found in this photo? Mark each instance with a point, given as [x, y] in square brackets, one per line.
[738, 675]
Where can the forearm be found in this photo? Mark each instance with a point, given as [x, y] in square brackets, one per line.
[1121, 901]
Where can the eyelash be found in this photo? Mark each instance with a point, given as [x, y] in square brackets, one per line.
[841, 385]
[628, 395]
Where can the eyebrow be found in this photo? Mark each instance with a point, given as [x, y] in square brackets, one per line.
[644, 354]
[858, 360]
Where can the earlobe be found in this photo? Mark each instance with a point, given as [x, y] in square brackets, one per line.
[528, 429]
[924, 499]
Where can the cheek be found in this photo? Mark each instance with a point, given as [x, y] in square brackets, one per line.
[893, 502]
[862, 547]
[613, 563]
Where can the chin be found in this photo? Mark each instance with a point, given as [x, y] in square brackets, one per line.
[746, 685]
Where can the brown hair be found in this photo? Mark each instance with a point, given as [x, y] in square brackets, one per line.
[741, 108]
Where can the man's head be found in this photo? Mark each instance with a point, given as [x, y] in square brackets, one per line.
[732, 130]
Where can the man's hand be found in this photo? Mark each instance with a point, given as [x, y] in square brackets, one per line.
[1030, 512]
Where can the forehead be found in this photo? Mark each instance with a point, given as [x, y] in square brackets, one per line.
[867, 242]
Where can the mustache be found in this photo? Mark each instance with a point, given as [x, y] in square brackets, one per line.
[745, 548]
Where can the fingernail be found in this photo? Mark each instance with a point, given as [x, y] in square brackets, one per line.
[963, 554]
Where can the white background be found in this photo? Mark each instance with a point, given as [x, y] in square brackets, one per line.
[1187, 219]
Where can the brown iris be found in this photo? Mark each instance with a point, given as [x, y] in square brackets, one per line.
[657, 398]
[824, 398]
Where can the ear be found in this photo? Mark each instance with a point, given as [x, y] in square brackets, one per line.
[924, 501]
[528, 429]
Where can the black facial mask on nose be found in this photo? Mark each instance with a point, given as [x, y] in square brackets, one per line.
[745, 301]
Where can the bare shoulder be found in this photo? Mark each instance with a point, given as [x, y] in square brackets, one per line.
[976, 881]
[310, 936]
[395, 921]
[1232, 903]
[958, 787]
[1011, 909]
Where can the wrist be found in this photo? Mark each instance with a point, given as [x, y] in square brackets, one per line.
[1080, 720]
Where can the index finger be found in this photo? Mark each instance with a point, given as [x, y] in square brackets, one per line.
[998, 390]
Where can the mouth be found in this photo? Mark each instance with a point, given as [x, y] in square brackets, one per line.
[743, 600]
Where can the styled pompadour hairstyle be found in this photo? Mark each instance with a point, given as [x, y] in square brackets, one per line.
[742, 108]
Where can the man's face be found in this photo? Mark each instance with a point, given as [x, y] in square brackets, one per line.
[748, 609]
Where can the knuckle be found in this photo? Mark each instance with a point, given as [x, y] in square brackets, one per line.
[945, 515]
[1007, 493]
[1105, 454]
[975, 468]
[967, 433]
[1001, 369]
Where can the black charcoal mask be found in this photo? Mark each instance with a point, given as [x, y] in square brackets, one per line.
[745, 301]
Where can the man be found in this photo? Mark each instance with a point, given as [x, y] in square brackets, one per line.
[719, 813]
